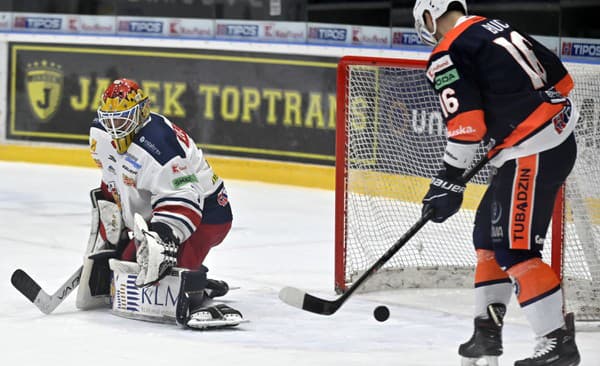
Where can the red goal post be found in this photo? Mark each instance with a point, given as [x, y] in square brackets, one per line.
[389, 142]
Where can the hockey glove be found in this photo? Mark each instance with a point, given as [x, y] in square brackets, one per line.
[156, 251]
[444, 197]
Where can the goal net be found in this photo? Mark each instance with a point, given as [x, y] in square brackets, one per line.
[390, 142]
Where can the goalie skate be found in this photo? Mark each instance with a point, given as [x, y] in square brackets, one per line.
[216, 316]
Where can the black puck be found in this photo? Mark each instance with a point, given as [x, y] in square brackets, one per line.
[381, 313]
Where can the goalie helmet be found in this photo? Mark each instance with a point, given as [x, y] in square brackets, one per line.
[436, 8]
[123, 110]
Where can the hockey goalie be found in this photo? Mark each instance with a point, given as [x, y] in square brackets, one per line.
[158, 212]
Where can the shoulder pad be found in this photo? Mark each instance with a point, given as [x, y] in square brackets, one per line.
[438, 62]
[159, 140]
[96, 124]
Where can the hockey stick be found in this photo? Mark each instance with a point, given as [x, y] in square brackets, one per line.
[31, 290]
[305, 301]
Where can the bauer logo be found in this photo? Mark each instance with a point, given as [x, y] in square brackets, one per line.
[328, 34]
[44, 82]
[237, 30]
[45, 23]
[140, 27]
[581, 49]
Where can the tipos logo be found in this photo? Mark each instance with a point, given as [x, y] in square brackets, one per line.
[44, 82]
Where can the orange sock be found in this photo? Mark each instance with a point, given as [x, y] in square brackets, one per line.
[538, 293]
[492, 284]
[534, 280]
[487, 270]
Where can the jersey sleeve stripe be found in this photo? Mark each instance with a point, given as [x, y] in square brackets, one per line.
[533, 123]
[192, 215]
[168, 200]
[444, 45]
[565, 85]
[174, 220]
[467, 126]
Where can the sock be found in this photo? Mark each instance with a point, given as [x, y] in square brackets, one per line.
[492, 284]
[539, 294]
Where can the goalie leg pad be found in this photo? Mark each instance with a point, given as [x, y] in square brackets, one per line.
[95, 276]
[156, 303]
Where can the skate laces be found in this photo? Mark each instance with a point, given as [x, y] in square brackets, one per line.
[544, 346]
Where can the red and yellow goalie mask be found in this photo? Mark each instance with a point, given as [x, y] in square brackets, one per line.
[123, 110]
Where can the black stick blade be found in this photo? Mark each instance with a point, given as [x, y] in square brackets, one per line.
[305, 301]
[25, 284]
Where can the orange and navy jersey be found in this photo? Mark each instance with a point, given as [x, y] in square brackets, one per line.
[491, 79]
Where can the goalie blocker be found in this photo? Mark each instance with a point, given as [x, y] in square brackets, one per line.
[182, 296]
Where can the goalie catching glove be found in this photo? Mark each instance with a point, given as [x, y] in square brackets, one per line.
[445, 194]
[156, 251]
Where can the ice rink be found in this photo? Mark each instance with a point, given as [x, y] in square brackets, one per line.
[281, 236]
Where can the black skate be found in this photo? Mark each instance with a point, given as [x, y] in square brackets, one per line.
[556, 348]
[486, 342]
[216, 288]
[216, 316]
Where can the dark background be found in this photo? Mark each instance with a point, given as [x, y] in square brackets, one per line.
[565, 18]
[255, 138]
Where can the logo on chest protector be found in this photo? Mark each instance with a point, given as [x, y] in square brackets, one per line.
[222, 198]
[561, 119]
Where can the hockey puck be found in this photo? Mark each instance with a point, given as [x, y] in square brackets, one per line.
[381, 313]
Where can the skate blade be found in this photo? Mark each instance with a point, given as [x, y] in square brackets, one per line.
[481, 361]
[215, 324]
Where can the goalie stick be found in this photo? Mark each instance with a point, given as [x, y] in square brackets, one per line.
[305, 301]
[31, 290]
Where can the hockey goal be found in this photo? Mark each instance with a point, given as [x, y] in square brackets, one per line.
[390, 140]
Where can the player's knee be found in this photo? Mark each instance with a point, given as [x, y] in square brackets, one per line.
[507, 258]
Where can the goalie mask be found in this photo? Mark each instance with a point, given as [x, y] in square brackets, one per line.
[123, 110]
[436, 8]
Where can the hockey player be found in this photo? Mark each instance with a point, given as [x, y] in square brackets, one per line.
[157, 186]
[498, 85]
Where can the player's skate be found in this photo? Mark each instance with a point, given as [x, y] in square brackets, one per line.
[486, 343]
[557, 348]
[216, 316]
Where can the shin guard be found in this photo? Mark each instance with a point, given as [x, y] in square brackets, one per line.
[539, 294]
[492, 284]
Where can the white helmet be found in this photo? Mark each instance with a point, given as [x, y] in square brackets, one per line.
[436, 8]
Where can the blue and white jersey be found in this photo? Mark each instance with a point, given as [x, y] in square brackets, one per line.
[163, 176]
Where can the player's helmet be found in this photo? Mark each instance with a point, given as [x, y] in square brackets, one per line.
[436, 8]
[123, 110]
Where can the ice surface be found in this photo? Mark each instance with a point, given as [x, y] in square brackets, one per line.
[281, 236]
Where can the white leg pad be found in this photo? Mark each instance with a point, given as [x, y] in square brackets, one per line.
[85, 300]
[153, 303]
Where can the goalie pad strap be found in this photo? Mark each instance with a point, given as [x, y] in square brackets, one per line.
[191, 293]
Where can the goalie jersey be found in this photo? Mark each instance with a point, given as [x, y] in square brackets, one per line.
[498, 85]
[162, 176]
